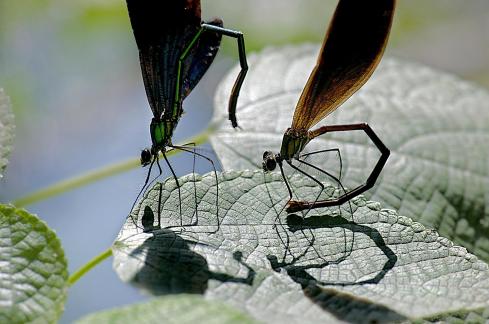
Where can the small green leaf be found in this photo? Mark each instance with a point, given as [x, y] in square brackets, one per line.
[174, 309]
[436, 125]
[7, 127]
[333, 265]
[33, 275]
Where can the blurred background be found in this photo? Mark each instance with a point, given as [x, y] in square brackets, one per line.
[72, 72]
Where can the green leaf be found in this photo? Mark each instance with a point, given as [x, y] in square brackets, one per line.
[33, 275]
[7, 128]
[371, 264]
[174, 309]
[436, 125]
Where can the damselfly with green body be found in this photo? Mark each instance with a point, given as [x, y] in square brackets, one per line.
[175, 50]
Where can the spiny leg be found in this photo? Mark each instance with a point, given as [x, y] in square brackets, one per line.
[337, 180]
[194, 181]
[178, 186]
[161, 189]
[309, 176]
[195, 187]
[297, 206]
[159, 205]
[319, 194]
[287, 185]
[142, 189]
[337, 150]
[215, 176]
[277, 212]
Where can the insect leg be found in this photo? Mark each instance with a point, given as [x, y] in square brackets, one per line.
[332, 177]
[285, 180]
[310, 177]
[178, 186]
[215, 175]
[286, 184]
[160, 191]
[233, 99]
[193, 175]
[146, 181]
[297, 206]
[337, 150]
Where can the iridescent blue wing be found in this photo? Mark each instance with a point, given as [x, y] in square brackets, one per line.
[163, 29]
[201, 58]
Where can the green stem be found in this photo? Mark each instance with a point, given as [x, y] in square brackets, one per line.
[88, 266]
[96, 175]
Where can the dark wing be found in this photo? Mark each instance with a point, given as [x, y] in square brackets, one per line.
[352, 49]
[201, 58]
[162, 29]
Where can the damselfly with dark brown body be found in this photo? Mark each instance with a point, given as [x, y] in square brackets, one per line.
[352, 49]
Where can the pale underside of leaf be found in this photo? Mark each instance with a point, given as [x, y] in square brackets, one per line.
[436, 126]
[7, 127]
[332, 266]
[34, 275]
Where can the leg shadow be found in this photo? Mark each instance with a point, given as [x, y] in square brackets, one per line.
[298, 272]
[337, 303]
[171, 265]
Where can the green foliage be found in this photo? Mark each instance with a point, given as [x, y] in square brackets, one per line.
[34, 269]
[434, 123]
[174, 309]
[334, 264]
[357, 262]
[7, 128]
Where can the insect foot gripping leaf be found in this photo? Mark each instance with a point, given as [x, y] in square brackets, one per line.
[34, 275]
[435, 124]
[370, 266]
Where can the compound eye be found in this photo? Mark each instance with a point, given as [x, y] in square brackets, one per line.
[267, 155]
[145, 157]
[271, 164]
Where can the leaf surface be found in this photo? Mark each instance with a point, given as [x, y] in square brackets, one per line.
[7, 128]
[174, 309]
[436, 126]
[33, 275]
[336, 264]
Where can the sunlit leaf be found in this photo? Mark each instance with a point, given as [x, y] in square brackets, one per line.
[333, 265]
[436, 125]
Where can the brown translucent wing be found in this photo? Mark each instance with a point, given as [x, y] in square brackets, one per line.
[352, 49]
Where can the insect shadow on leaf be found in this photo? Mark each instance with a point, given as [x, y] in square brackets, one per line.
[172, 266]
[327, 298]
[299, 272]
[283, 230]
